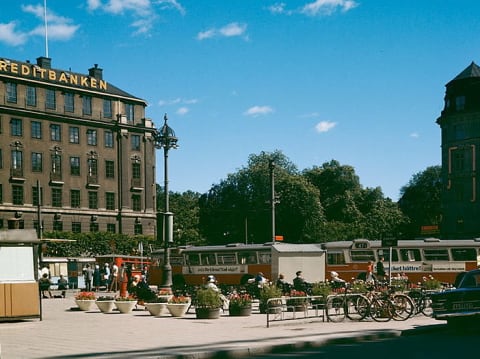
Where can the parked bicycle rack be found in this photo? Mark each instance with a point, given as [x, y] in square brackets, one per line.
[278, 309]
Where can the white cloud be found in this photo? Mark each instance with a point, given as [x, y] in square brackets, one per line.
[414, 135]
[325, 126]
[327, 7]
[183, 111]
[258, 110]
[10, 36]
[229, 30]
[178, 100]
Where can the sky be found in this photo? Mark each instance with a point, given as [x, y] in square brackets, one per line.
[361, 82]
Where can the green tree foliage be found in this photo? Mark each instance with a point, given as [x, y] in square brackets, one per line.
[420, 200]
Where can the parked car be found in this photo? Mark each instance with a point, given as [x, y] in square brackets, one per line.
[460, 303]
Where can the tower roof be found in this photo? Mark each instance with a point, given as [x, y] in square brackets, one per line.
[473, 70]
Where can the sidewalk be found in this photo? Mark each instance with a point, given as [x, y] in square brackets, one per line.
[67, 333]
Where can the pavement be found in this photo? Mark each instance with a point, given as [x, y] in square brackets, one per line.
[66, 332]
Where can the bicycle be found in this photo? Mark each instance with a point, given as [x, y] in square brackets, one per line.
[423, 301]
[353, 306]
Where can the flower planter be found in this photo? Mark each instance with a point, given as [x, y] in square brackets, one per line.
[240, 311]
[84, 304]
[207, 313]
[125, 306]
[156, 309]
[105, 306]
[178, 310]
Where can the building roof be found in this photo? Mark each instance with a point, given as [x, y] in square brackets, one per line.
[473, 70]
[95, 72]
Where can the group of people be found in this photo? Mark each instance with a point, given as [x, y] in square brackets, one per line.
[112, 277]
[45, 283]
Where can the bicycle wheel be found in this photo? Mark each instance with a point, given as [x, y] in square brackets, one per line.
[357, 307]
[382, 310]
[427, 306]
[335, 308]
[404, 307]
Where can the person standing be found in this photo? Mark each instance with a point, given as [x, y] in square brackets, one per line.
[88, 276]
[369, 275]
[114, 278]
[380, 269]
[97, 278]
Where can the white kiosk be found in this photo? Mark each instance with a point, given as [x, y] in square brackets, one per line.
[19, 292]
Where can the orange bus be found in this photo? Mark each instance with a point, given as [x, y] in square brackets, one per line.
[442, 259]
[237, 263]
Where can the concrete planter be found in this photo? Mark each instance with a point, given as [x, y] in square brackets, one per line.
[105, 306]
[125, 306]
[84, 305]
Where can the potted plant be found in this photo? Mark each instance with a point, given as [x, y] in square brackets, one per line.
[320, 292]
[85, 300]
[297, 301]
[178, 305]
[240, 304]
[268, 293]
[105, 303]
[157, 306]
[125, 304]
[208, 303]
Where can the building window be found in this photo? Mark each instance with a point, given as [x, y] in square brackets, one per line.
[109, 169]
[55, 132]
[136, 170]
[37, 162]
[93, 227]
[17, 193]
[17, 160]
[135, 142]
[76, 227]
[137, 229]
[56, 197]
[87, 105]
[11, 92]
[35, 196]
[92, 165]
[110, 200]
[74, 135]
[57, 225]
[69, 102]
[56, 163]
[75, 166]
[458, 161]
[92, 200]
[107, 108]
[75, 198]
[129, 112]
[108, 139]
[460, 103]
[36, 129]
[91, 137]
[16, 127]
[50, 100]
[111, 228]
[136, 202]
[31, 96]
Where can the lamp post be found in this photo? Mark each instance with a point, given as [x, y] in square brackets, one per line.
[271, 167]
[166, 139]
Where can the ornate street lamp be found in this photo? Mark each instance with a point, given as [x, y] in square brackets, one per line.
[165, 138]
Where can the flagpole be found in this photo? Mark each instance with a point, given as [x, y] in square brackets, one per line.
[46, 27]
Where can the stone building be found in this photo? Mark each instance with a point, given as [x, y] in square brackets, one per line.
[460, 127]
[76, 153]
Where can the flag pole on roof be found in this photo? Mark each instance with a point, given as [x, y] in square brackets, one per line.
[46, 27]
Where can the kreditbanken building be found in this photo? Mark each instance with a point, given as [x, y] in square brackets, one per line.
[81, 142]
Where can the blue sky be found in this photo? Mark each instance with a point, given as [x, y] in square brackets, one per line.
[358, 81]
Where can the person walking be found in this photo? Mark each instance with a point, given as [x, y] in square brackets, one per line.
[88, 276]
[380, 269]
[369, 276]
[114, 278]
[97, 278]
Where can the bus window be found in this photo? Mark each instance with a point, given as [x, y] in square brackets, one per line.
[385, 253]
[410, 255]
[335, 258]
[264, 258]
[226, 258]
[208, 259]
[464, 254]
[436, 254]
[176, 260]
[362, 256]
[248, 257]
[193, 259]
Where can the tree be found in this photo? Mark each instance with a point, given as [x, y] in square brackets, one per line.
[420, 200]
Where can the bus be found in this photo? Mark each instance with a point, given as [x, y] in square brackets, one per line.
[237, 263]
[415, 259]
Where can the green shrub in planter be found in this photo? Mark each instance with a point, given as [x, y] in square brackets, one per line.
[208, 298]
[267, 292]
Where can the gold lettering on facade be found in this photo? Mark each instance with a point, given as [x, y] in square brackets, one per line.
[93, 82]
[3, 66]
[52, 75]
[14, 68]
[25, 70]
[84, 81]
[73, 79]
[103, 85]
[63, 77]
